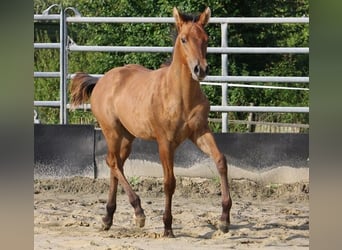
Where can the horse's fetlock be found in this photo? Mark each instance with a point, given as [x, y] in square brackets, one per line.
[135, 201]
[111, 208]
[227, 204]
[167, 218]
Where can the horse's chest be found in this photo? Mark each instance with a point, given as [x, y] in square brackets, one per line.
[174, 113]
[180, 121]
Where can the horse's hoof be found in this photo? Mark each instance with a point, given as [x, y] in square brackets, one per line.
[105, 225]
[224, 226]
[168, 234]
[140, 220]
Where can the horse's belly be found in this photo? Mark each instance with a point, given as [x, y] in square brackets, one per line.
[138, 126]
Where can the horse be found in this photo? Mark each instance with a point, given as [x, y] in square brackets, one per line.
[166, 105]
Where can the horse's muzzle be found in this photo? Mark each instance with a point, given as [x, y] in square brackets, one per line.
[201, 72]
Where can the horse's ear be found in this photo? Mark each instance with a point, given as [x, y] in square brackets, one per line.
[178, 18]
[204, 17]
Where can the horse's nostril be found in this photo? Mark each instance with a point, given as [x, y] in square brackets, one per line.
[197, 69]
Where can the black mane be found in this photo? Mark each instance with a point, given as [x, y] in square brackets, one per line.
[189, 17]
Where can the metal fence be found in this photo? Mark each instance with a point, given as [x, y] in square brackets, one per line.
[224, 80]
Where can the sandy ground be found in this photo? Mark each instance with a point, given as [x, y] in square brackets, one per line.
[67, 215]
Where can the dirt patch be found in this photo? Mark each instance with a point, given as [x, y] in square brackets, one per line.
[67, 215]
[188, 187]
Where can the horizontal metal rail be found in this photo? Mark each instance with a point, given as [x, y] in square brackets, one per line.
[41, 17]
[257, 50]
[46, 74]
[137, 49]
[47, 103]
[230, 50]
[252, 86]
[219, 20]
[259, 109]
[285, 79]
[289, 79]
[264, 87]
[265, 109]
[46, 45]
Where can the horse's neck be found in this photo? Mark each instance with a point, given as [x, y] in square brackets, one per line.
[182, 83]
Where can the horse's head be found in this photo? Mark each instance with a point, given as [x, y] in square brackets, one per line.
[192, 42]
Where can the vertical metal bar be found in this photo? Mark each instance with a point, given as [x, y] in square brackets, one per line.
[61, 59]
[224, 72]
[64, 63]
[63, 68]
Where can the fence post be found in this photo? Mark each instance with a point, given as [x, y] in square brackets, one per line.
[250, 118]
[62, 60]
[224, 72]
[63, 69]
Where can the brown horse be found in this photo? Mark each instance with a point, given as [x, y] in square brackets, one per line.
[166, 105]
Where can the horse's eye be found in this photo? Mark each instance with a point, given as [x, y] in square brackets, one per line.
[183, 40]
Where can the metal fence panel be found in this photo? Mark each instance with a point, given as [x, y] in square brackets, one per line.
[223, 80]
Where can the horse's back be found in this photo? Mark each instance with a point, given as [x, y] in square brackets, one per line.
[125, 94]
[117, 79]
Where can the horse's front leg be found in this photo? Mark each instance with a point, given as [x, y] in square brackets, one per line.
[206, 142]
[166, 153]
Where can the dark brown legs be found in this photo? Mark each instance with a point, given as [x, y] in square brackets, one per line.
[221, 165]
[119, 149]
[207, 144]
[115, 163]
[111, 202]
[166, 153]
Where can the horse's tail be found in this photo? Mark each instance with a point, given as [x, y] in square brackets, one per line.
[81, 88]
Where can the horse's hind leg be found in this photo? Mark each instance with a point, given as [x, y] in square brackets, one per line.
[119, 148]
[111, 202]
[113, 164]
[134, 199]
[206, 142]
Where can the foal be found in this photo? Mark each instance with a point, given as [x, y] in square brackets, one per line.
[166, 105]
